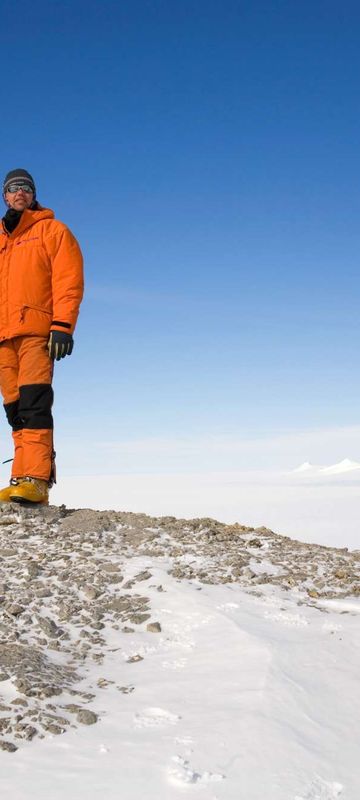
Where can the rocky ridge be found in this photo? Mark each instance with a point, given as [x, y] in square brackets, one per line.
[62, 589]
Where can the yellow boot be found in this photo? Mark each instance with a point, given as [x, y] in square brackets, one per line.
[30, 490]
[5, 493]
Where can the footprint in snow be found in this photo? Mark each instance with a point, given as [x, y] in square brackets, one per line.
[321, 790]
[182, 774]
[155, 718]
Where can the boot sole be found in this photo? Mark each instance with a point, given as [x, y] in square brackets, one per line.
[25, 502]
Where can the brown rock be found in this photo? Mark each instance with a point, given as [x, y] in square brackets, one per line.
[86, 717]
[8, 746]
[313, 593]
[14, 609]
[138, 619]
[154, 627]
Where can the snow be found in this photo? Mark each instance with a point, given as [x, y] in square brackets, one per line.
[239, 696]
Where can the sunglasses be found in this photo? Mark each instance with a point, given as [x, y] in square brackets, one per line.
[15, 187]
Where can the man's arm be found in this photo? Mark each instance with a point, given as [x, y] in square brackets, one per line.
[67, 280]
[67, 290]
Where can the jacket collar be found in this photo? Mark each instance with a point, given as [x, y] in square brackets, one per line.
[30, 217]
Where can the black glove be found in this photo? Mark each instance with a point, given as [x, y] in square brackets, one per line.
[60, 345]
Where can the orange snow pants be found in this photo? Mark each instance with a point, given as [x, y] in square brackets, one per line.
[25, 381]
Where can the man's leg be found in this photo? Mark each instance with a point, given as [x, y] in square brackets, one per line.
[34, 406]
[9, 367]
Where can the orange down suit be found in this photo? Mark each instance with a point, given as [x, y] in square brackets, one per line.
[41, 287]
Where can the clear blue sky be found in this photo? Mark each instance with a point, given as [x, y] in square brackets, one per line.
[206, 156]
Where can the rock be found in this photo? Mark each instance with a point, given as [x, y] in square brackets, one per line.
[128, 585]
[90, 592]
[237, 571]
[134, 659]
[49, 691]
[264, 531]
[313, 593]
[49, 627]
[43, 592]
[25, 731]
[8, 746]
[72, 708]
[109, 567]
[54, 729]
[138, 619]
[23, 686]
[14, 609]
[103, 683]
[62, 721]
[84, 695]
[154, 627]
[340, 573]
[120, 604]
[114, 578]
[143, 576]
[86, 717]
[248, 573]
[33, 570]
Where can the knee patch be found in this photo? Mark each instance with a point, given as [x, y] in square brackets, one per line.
[12, 413]
[34, 406]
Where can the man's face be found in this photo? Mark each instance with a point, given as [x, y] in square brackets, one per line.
[20, 199]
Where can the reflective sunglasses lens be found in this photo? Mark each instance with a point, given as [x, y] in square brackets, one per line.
[15, 187]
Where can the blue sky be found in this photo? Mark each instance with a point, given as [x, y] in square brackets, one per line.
[206, 156]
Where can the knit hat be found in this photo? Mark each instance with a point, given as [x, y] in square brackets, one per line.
[19, 176]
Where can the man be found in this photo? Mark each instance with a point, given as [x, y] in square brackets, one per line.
[41, 287]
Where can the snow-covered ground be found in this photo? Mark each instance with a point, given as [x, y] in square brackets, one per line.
[311, 504]
[239, 696]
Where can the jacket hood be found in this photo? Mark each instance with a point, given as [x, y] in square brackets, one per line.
[29, 217]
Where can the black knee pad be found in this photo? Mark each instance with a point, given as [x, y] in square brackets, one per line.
[34, 405]
[12, 413]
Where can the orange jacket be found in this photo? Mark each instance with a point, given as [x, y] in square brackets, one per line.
[41, 276]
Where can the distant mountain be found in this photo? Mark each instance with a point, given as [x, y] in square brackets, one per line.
[343, 466]
[308, 468]
[346, 465]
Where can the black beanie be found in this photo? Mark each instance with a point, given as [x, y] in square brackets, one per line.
[19, 176]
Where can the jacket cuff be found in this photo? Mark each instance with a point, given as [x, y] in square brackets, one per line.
[57, 325]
